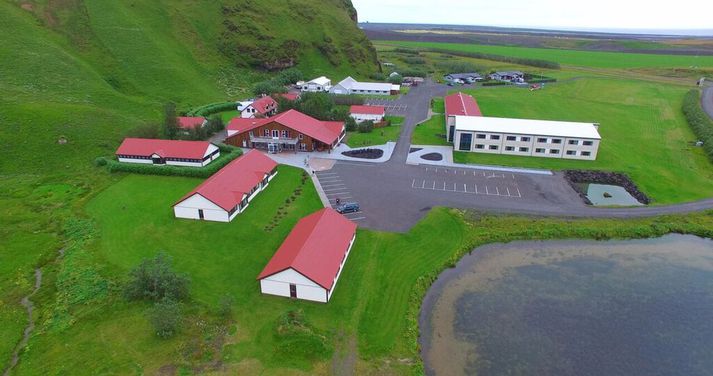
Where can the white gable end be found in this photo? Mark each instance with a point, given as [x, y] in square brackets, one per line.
[198, 202]
[291, 276]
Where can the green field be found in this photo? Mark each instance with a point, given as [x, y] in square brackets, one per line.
[433, 130]
[643, 132]
[573, 57]
[378, 136]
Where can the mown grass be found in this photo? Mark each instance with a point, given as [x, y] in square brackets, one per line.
[644, 133]
[378, 136]
[376, 300]
[433, 130]
[573, 57]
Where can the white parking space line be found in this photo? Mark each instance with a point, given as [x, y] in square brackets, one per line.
[434, 185]
[333, 185]
[327, 191]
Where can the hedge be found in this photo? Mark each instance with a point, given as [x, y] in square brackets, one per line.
[228, 154]
[699, 121]
[212, 108]
[348, 100]
[506, 59]
[496, 83]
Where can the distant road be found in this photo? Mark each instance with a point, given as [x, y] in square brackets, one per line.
[707, 99]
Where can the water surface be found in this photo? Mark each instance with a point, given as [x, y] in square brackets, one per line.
[642, 307]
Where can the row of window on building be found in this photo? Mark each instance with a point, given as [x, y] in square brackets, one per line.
[465, 147]
[541, 140]
[277, 133]
[371, 91]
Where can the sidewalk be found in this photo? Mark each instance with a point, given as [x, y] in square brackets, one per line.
[446, 153]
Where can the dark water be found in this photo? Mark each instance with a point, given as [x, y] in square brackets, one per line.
[576, 308]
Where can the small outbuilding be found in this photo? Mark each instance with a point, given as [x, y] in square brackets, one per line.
[310, 260]
[229, 191]
[167, 152]
[364, 113]
[260, 108]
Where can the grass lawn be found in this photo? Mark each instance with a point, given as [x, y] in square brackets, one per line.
[573, 57]
[378, 136]
[643, 132]
[375, 305]
[433, 130]
[229, 115]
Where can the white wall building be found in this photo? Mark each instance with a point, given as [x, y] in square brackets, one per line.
[310, 260]
[537, 138]
[364, 113]
[319, 84]
[229, 191]
[350, 86]
[167, 152]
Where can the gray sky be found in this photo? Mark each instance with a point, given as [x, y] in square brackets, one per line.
[572, 14]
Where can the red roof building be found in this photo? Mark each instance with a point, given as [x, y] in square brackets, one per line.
[289, 96]
[260, 108]
[364, 113]
[190, 122]
[167, 152]
[310, 260]
[459, 104]
[229, 191]
[290, 130]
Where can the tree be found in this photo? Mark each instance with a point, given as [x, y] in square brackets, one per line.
[396, 79]
[289, 76]
[165, 317]
[317, 105]
[365, 126]
[170, 121]
[154, 279]
[350, 124]
[339, 113]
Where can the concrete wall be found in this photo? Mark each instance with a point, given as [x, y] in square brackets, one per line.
[279, 284]
[530, 145]
[364, 117]
[132, 160]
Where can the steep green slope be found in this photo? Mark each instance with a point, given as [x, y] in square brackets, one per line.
[90, 71]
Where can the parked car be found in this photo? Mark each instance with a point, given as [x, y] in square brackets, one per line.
[348, 207]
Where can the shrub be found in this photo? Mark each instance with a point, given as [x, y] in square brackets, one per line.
[348, 100]
[100, 161]
[350, 124]
[396, 79]
[170, 120]
[154, 279]
[165, 317]
[698, 120]
[365, 126]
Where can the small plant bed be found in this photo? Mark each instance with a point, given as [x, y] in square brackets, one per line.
[432, 157]
[364, 153]
[576, 179]
[285, 207]
[413, 150]
[227, 154]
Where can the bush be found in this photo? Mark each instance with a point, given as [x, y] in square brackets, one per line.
[365, 126]
[495, 83]
[225, 306]
[350, 124]
[165, 317]
[378, 76]
[154, 279]
[101, 161]
[396, 79]
[229, 153]
[348, 100]
[698, 120]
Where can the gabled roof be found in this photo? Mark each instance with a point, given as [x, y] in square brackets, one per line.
[509, 73]
[352, 84]
[264, 105]
[462, 105]
[147, 147]
[289, 96]
[463, 75]
[241, 125]
[368, 110]
[190, 122]
[322, 80]
[325, 131]
[227, 187]
[314, 248]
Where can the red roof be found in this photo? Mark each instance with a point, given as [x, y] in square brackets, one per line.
[314, 248]
[289, 96]
[368, 110]
[227, 187]
[462, 105]
[264, 105]
[147, 147]
[187, 122]
[325, 131]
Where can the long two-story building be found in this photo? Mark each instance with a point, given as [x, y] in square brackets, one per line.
[288, 131]
[537, 138]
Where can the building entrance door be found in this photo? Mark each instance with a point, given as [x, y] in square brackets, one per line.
[273, 148]
[293, 290]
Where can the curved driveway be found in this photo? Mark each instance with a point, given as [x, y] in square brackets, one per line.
[394, 196]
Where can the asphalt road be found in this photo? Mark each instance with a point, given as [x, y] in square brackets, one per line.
[394, 196]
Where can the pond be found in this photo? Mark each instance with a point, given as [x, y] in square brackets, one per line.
[640, 307]
[608, 195]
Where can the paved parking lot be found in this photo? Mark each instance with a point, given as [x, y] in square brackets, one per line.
[467, 181]
[335, 188]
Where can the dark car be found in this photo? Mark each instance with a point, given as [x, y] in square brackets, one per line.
[348, 207]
